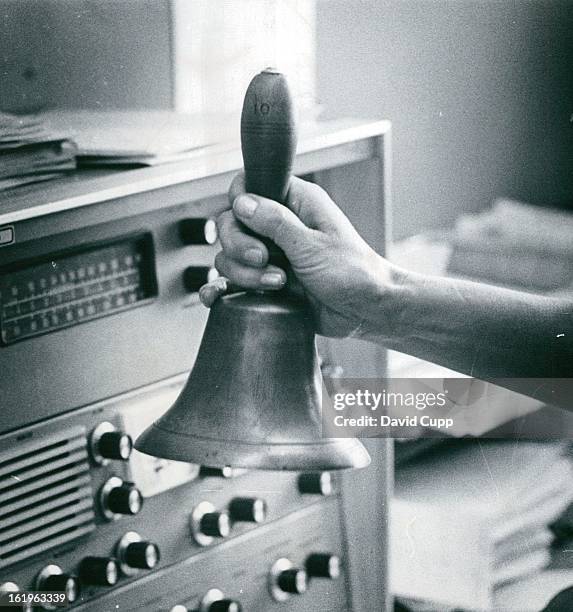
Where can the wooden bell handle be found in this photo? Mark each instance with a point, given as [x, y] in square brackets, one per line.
[268, 142]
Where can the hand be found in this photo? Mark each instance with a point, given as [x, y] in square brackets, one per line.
[340, 275]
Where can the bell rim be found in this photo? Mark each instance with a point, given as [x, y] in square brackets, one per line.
[324, 454]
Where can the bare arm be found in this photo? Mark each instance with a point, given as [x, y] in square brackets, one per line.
[477, 329]
[484, 331]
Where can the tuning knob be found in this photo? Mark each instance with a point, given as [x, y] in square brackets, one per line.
[315, 483]
[120, 498]
[195, 277]
[215, 601]
[136, 554]
[53, 579]
[248, 509]
[101, 571]
[198, 231]
[323, 565]
[107, 443]
[206, 524]
[286, 580]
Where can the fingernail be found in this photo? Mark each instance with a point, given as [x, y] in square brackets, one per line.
[254, 256]
[272, 279]
[245, 206]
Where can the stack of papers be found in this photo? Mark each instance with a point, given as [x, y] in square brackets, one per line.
[31, 152]
[471, 519]
[515, 244]
[143, 138]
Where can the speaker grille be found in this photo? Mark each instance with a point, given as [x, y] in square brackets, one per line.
[45, 495]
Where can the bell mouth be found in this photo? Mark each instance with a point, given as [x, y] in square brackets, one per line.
[325, 454]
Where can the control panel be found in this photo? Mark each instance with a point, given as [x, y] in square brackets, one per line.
[84, 514]
[100, 323]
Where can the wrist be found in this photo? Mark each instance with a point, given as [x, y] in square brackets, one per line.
[385, 303]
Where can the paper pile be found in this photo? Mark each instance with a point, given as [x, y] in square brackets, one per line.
[142, 138]
[515, 244]
[30, 152]
[472, 518]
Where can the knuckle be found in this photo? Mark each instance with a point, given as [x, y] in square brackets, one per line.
[278, 223]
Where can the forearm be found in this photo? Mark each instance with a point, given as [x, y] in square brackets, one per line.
[483, 331]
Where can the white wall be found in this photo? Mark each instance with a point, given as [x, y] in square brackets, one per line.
[480, 94]
[219, 45]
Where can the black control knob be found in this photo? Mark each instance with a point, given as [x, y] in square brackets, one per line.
[224, 472]
[248, 509]
[135, 554]
[215, 524]
[125, 498]
[323, 565]
[315, 483]
[195, 277]
[101, 571]
[215, 601]
[141, 555]
[115, 445]
[107, 443]
[293, 581]
[54, 580]
[198, 231]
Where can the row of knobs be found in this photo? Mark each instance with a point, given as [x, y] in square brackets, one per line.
[133, 554]
[284, 580]
[207, 524]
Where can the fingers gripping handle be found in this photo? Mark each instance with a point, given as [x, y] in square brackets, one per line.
[268, 141]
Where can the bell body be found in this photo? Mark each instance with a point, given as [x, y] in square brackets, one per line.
[253, 398]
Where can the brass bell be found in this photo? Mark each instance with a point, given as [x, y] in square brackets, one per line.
[253, 398]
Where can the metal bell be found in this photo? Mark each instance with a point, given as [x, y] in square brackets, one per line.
[253, 398]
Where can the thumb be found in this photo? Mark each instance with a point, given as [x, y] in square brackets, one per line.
[273, 220]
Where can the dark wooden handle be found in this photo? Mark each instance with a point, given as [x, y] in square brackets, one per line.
[268, 141]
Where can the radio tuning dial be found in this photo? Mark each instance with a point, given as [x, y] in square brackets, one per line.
[136, 554]
[285, 579]
[107, 443]
[198, 231]
[120, 498]
[53, 579]
[323, 565]
[215, 601]
[315, 483]
[101, 571]
[206, 524]
[248, 509]
[195, 277]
